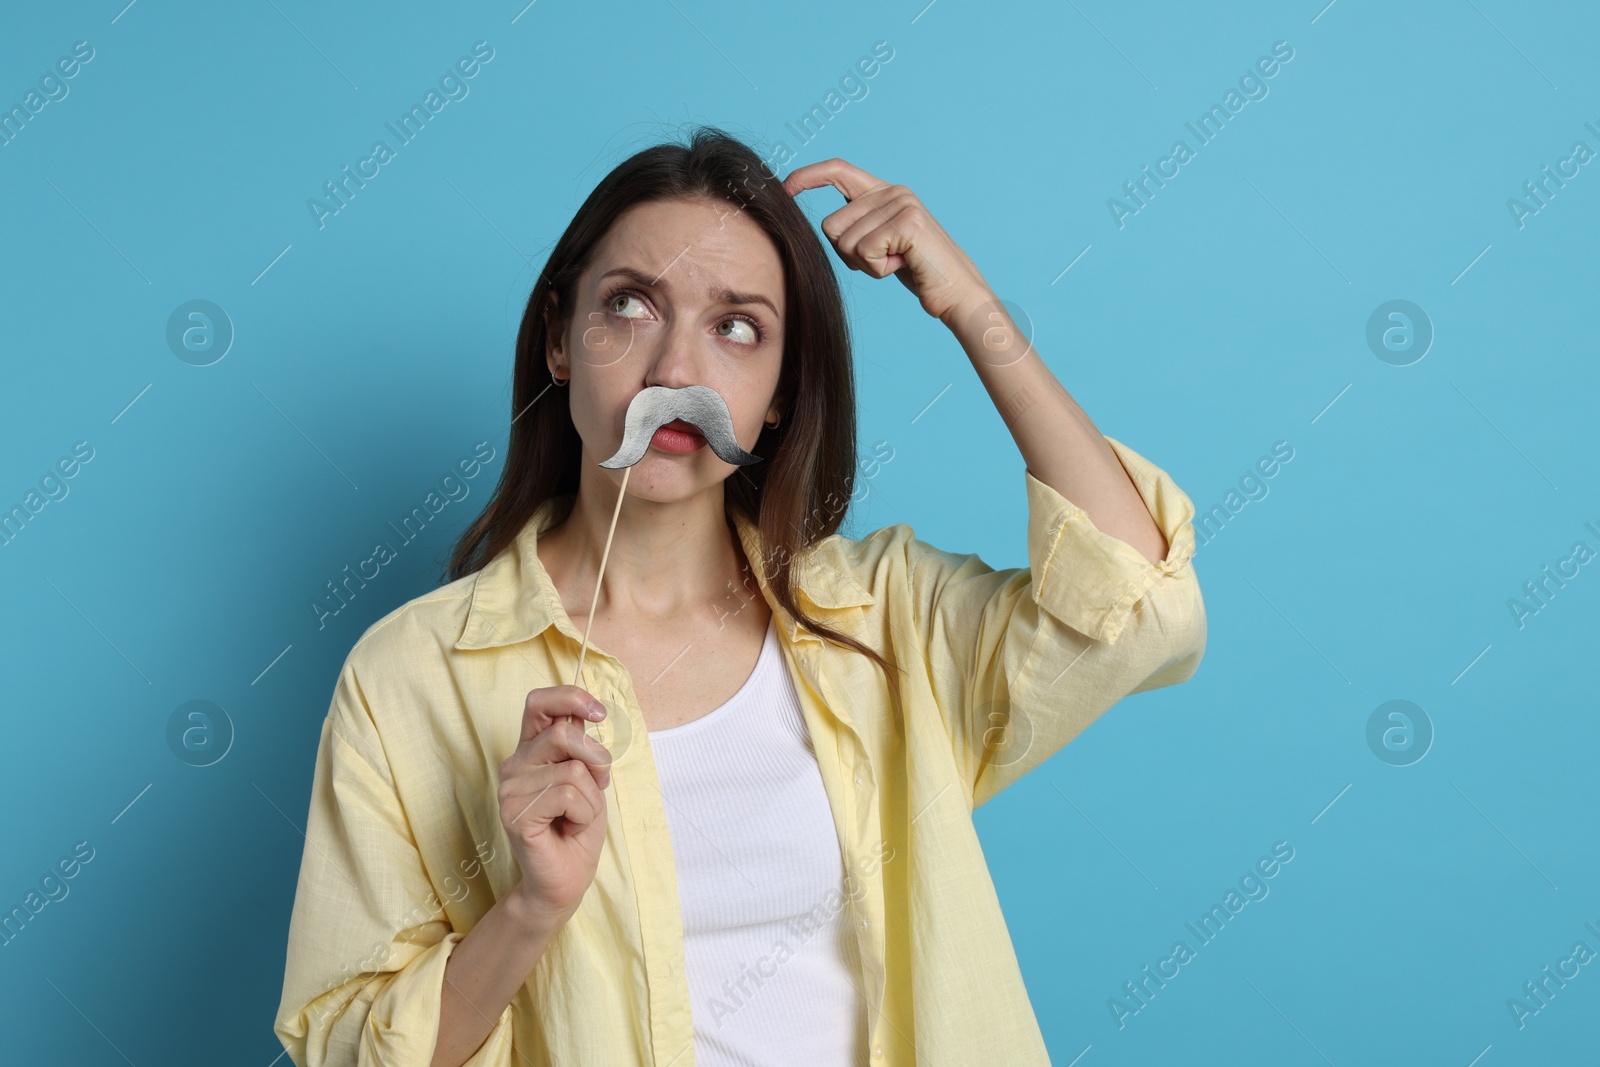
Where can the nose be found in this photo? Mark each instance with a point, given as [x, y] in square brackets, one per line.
[675, 362]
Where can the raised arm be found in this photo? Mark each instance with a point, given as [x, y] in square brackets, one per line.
[1023, 659]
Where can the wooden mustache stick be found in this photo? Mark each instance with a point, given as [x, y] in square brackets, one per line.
[593, 601]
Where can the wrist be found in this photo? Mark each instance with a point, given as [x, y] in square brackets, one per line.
[988, 333]
[966, 316]
[531, 918]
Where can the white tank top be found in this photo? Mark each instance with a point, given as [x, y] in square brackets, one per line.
[770, 956]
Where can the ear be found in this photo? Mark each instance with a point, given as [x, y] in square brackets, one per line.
[555, 356]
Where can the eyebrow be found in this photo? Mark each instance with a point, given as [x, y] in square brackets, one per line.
[721, 296]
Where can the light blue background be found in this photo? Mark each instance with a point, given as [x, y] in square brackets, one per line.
[1228, 314]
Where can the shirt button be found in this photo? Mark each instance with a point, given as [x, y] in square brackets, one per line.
[863, 924]
[877, 1052]
[858, 779]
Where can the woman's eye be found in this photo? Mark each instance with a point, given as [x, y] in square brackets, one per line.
[619, 302]
[747, 333]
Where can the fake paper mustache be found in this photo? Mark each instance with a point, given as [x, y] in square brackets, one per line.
[699, 405]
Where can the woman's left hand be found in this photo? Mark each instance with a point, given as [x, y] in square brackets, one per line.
[883, 229]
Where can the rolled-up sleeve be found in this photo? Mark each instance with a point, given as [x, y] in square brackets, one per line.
[368, 937]
[1024, 659]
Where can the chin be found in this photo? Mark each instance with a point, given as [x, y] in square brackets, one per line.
[666, 478]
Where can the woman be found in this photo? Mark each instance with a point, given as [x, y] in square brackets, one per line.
[764, 852]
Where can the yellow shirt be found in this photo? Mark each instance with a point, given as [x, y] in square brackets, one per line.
[404, 849]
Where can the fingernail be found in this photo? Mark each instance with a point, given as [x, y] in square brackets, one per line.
[597, 710]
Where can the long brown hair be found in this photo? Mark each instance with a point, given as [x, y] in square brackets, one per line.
[795, 495]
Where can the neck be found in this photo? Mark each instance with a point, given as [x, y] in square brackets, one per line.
[668, 561]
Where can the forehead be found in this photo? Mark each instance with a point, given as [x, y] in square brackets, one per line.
[693, 246]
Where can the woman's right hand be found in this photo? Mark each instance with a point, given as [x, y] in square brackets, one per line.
[551, 801]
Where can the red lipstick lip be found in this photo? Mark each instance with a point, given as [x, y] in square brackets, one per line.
[678, 438]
